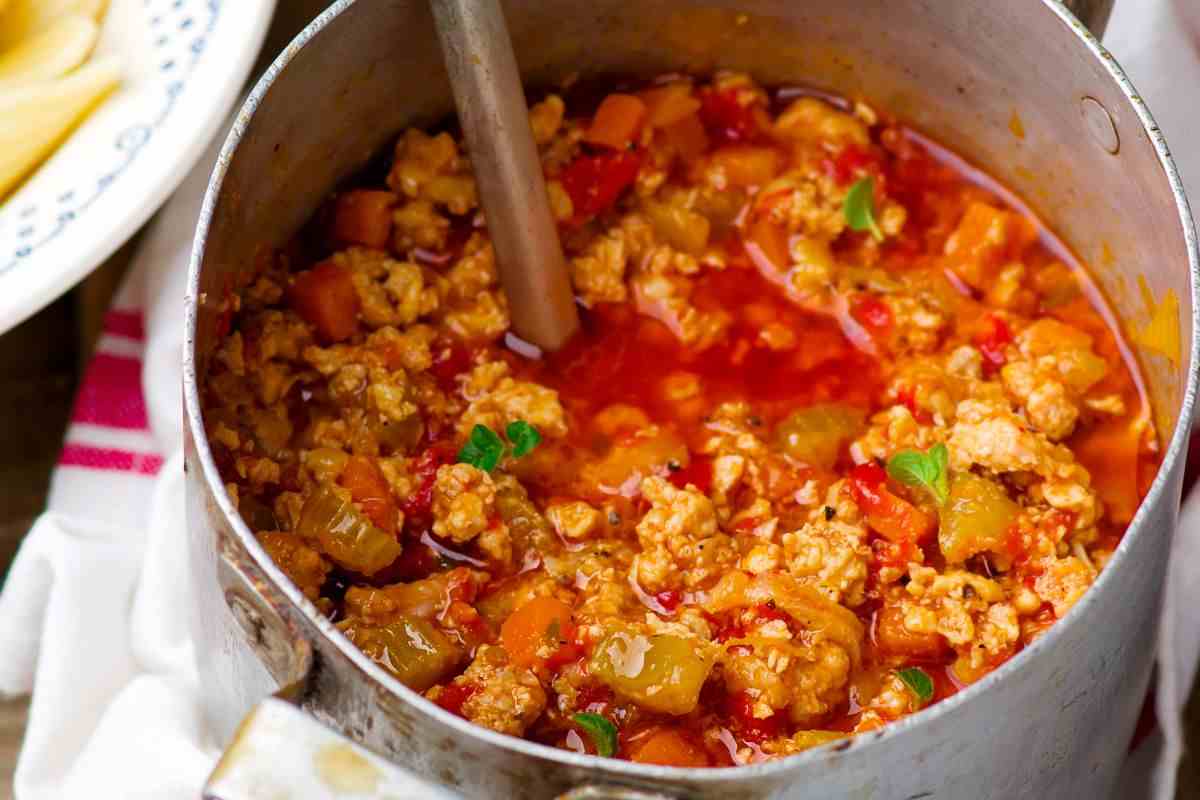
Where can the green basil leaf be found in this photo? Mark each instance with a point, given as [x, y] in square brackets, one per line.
[918, 682]
[482, 450]
[602, 732]
[859, 207]
[929, 471]
[910, 467]
[939, 456]
[524, 437]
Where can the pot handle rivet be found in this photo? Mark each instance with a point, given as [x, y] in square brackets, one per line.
[1100, 125]
[287, 658]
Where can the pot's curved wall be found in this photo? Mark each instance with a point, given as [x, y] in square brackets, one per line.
[1058, 725]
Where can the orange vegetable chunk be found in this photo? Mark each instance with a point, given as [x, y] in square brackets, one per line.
[364, 217]
[617, 123]
[324, 296]
[370, 489]
[892, 637]
[670, 748]
[666, 105]
[745, 165]
[985, 239]
[687, 137]
[537, 631]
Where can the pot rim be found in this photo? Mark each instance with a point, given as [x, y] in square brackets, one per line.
[864, 742]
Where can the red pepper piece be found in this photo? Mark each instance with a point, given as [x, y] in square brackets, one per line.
[595, 182]
[726, 118]
[992, 343]
[740, 709]
[454, 695]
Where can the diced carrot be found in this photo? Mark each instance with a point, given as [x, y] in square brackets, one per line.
[687, 137]
[892, 637]
[669, 747]
[363, 217]
[617, 122]
[538, 632]
[666, 105]
[745, 165]
[324, 296]
[890, 516]
[370, 489]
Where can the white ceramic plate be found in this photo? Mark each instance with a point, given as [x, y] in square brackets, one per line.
[185, 62]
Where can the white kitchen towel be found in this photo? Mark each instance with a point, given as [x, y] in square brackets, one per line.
[92, 617]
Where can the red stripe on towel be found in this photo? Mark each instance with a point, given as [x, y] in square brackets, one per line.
[125, 323]
[107, 458]
[111, 394]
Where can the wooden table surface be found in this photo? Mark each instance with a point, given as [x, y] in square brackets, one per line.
[40, 365]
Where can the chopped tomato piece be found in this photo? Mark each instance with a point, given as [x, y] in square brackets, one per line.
[669, 747]
[698, 472]
[740, 709]
[734, 629]
[540, 632]
[728, 117]
[454, 695]
[324, 296]
[892, 517]
[887, 554]
[370, 489]
[419, 504]
[363, 217]
[596, 182]
[617, 122]
[669, 599]
[992, 341]
[851, 163]
[907, 397]
[593, 697]
[872, 312]
[451, 361]
[892, 637]
[766, 612]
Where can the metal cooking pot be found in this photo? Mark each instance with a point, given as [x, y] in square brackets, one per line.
[1054, 721]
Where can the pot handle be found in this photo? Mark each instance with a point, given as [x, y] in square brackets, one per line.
[1093, 14]
[592, 791]
[281, 751]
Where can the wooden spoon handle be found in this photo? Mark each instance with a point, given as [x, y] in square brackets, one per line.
[495, 121]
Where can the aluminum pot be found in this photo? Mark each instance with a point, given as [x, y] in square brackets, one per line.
[1054, 721]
